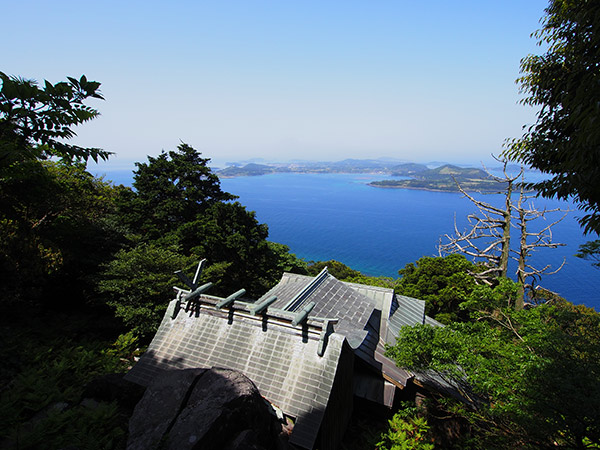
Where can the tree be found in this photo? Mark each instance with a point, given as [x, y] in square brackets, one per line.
[488, 236]
[44, 203]
[138, 283]
[175, 215]
[34, 121]
[533, 376]
[173, 189]
[406, 431]
[41, 212]
[564, 83]
[336, 268]
[236, 247]
[178, 201]
[442, 282]
[493, 226]
[591, 251]
[530, 241]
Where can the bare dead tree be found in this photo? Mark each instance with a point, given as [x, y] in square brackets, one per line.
[529, 242]
[487, 237]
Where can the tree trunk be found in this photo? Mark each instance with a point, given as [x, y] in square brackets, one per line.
[520, 301]
[506, 214]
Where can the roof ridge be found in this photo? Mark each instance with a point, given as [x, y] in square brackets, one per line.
[368, 287]
[296, 301]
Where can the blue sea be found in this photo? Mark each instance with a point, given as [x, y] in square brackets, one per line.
[378, 231]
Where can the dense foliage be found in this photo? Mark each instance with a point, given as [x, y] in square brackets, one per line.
[444, 283]
[531, 377]
[35, 122]
[175, 215]
[138, 282]
[171, 190]
[43, 378]
[72, 244]
[408, 430]
[338, 269]
[44, 203]
[590, 251]
[564, 85]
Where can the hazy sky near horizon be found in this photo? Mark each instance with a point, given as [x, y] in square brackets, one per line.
[281, 80]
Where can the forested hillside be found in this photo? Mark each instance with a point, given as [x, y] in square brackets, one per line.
[87, 269]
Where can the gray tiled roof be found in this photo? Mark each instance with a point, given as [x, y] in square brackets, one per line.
[281, 360]
[372, 351]
[384, 302]
[333, 298]
[359, 308]
[377, 294]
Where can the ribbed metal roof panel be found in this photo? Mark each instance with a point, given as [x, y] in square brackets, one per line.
[333, 299]
[281, 361]
[432, 322]
[410, 311]
[336, 300]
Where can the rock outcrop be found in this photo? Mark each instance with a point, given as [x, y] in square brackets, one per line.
[203, 409]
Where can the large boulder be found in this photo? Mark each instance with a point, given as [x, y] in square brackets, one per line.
[202, 409]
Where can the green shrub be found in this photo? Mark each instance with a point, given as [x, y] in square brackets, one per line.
[138, 284]
[41, 393]
[406, 431]
[98, 427]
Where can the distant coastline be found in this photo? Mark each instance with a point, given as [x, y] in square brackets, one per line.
[370, 166]
[443, 178]
[425, 188]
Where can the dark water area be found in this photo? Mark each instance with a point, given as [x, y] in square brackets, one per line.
[378, 231]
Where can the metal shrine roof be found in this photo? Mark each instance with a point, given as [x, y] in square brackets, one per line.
[332, 298]
[407, 311]
[288, 342]
[282, 360]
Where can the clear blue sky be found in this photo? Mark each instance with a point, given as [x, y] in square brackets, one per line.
[326, 80]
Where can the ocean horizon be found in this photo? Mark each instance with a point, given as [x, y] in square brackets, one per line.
[378, 231]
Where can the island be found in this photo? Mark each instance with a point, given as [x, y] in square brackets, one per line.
[445, 179]
[407, 175]
[379, 166]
